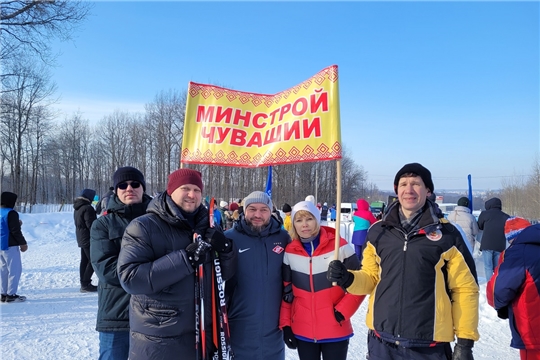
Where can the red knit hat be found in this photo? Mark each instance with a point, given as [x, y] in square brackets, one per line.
[182, 177]
[513, 226]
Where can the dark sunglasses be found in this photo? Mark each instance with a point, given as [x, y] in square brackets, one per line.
[124, 185]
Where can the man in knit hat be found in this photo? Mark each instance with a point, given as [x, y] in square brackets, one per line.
[160, 252]
[513, 289]
[127, 202]
[256, 288]
[420, 275]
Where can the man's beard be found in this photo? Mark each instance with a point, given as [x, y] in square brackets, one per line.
[257, 228]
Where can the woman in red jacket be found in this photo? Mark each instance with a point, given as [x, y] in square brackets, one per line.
[315, 316]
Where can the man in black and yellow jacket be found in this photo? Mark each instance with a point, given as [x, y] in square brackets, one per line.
[420, 276]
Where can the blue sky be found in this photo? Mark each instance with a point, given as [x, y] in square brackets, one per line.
[452, 85]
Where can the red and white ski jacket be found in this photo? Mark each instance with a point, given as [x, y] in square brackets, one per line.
[311, 313]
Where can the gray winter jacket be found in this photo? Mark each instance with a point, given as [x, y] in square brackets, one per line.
[255, 292]
[154, 268]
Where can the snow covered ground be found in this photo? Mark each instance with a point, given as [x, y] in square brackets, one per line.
[58, 322]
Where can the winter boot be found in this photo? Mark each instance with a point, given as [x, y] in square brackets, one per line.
[15, 298]
[3, 298]
[88, 288]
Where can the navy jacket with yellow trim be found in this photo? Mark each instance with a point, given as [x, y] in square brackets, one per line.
[423, 286]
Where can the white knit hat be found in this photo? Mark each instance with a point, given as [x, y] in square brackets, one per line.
[259, 197]
[307, 206]
[223, 204]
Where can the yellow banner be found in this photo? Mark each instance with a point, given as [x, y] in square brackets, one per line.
[236, 128]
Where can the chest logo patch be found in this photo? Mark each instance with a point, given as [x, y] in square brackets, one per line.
[278, 249]
[434, 235]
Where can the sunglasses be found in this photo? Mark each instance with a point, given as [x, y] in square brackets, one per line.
[124, 185]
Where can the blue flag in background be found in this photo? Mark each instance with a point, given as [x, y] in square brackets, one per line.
[470, 193]
[269, 182]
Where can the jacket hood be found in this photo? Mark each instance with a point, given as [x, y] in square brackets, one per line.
[494, 203]
[362, 204]
[463, 209]
[8, 199]
[531, 235]
[80, 202]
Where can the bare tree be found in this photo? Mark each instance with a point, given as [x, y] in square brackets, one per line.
[27, 27]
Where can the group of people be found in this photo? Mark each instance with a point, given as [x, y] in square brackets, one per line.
[286, 282]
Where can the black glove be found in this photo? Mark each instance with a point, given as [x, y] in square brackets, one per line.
[196, 252]
[289, 338]
[218, 240]
[338, 273]
[463, 349]
[339, 316]
[502, 313]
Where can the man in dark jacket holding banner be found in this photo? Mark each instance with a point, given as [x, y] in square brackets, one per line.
[128, 202]
[160, 252]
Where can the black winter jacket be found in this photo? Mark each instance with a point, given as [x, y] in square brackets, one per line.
[84, 215]
[105, 241]
[491, 221]
[256, 291]
[154, 268]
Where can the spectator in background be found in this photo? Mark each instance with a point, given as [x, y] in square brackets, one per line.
[491, 221]
[412, 246]
[324, 212]
[287, 221]
[84, 216]
[129, 202]
[277, 215]
[316, 319]
[12, 243]
[363, 218]
[223, 205]
[514, 289]
[217, 215]
[333, 213]
[101, 207]
[461, 215]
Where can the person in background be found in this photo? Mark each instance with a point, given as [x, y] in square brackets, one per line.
[255, 290]
[324, 212]
[101, 207]
[237, 213]
[491, 221]
[12, 243]
[315, 316]
[223, 205]
[333, 213]
[160, 251]
[277, 215]
[84, 216]
[514, 288]
[461, 215]
[287, 221]
[217, 215]
[420, 276]
[363, 219]
[128, 202]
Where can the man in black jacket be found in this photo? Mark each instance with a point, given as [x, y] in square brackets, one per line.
[84, 216]
[12, 244]
[128, 202]
[491, 221]
[160, 252]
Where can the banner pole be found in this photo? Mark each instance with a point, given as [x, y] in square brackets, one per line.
[338, 208]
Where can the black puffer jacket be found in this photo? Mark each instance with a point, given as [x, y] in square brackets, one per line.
[491, 221]
[105, 240]
[154, 268]
[84, 215]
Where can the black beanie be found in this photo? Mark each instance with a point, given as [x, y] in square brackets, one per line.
[88, 194]
[418, 169]
[8, 199]
[286, 208]
[128, 173]
[463, 201]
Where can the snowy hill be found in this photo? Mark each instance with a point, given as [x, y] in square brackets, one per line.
[58, 322]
